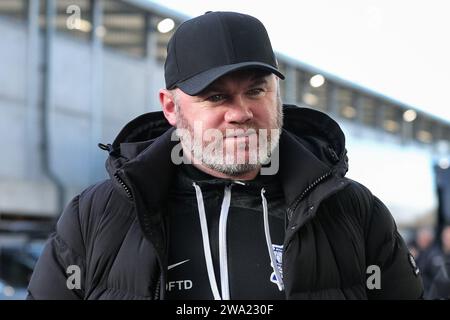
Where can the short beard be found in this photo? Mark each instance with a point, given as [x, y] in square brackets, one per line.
[222, 163]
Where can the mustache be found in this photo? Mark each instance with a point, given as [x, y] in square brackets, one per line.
[240, 132]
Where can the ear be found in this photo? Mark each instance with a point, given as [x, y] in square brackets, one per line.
[168, 106]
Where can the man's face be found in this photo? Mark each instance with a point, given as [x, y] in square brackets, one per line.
[446, 239]
[227, 127]
[425, 238]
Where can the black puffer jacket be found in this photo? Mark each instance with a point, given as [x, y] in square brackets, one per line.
[115, 231]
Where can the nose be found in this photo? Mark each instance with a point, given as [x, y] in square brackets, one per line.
[239, 112]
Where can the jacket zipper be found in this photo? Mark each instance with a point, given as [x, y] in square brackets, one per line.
[294, 206]
[157, 290]
[157, 294]
[124, 186]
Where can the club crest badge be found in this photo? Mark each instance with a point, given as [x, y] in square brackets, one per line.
[278, 251]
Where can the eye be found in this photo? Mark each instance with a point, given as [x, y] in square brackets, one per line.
[216, 97]
[255, 92]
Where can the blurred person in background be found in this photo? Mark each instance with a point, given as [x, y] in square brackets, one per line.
[210, 227]
[428, 256]
[440, 285]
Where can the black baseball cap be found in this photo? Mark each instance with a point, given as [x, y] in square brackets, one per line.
[212, 45]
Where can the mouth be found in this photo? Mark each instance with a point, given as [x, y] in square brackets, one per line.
[242, 135]
[240, 139]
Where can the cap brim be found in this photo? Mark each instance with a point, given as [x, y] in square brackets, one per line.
[199, 82]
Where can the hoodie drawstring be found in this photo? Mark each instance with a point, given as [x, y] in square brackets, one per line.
[225, 285]
[206, 246]
[223, 256]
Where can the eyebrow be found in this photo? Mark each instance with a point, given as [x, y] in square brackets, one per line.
[255, 81]
[258, 80]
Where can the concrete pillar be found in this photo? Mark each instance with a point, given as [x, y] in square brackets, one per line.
[96, 170]
[332, 99]
[358, 104]
[409, 130]
[438, 131]
[48, 106]
[152, 61]
[291, 85]
[33, 132]
[380, 115]
[300, 90]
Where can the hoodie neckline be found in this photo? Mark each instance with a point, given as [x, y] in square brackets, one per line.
[187, 174]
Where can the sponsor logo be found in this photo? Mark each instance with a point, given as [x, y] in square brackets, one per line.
[176, 264]
[179, 285]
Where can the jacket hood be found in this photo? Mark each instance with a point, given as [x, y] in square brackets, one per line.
[310, 139]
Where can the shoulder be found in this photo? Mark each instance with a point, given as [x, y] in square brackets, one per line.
[358, 192]
[95, 196]
[374, 216]
[354, 198]
[98, 197]
[90, 211]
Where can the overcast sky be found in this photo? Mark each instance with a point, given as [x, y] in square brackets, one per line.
[399, 48]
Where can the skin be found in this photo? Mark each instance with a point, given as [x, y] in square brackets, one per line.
[446, 240]
[425, 237]
[240, 100]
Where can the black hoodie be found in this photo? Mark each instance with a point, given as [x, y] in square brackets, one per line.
[241, 265]
[340, 241]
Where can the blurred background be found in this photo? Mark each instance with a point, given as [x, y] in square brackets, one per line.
[73, 72]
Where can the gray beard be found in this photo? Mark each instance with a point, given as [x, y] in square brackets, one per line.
[220, 163]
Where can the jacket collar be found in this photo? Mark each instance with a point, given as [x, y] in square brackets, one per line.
[152, 171]
[299, 168]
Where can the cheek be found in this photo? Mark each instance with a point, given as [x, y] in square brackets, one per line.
[205, 119]
[211, 118]
[266, 113]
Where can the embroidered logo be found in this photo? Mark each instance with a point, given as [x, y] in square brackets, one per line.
[413, 264]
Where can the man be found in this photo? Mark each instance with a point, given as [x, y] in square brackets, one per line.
[440, 285]
[251, 203]
[428, 256]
